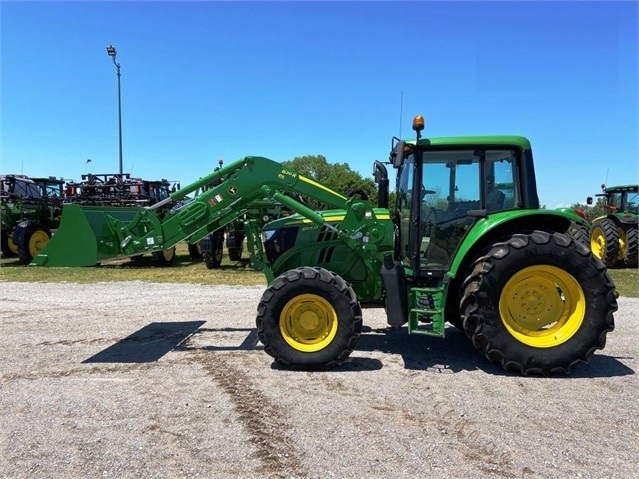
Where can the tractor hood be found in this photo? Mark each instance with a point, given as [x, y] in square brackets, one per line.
[295, 220]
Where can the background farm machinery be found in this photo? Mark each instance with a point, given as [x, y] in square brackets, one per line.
[30, 210]
[122, 193]
[233, 234]
[614, 235]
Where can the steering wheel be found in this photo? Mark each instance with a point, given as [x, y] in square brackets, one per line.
[428, 222]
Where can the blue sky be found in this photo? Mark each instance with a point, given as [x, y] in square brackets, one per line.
[203, 81]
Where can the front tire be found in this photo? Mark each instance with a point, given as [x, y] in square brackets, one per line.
[31, 237]
[631, 258]
[309, 318]
[604, 241]
[9, 248]
[195, 250]
[235, 251]
[165, 257]
[212, 255]
[538, 304]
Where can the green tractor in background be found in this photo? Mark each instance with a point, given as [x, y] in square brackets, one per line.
[30, 210]
[212, 245]
[233, 234]
[613, 236]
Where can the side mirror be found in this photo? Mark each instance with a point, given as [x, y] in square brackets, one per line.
[397, 155]
[589, 200]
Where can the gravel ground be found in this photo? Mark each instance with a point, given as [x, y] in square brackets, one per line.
[168, 380]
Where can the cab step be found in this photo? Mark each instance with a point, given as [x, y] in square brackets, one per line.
[426, 314]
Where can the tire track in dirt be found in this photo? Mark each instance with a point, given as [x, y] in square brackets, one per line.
[475, 444]
[262, 420]
[478, 445]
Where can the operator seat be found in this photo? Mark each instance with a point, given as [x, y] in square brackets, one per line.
[495, 200]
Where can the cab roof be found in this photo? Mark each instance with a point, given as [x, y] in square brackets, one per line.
[455, 141]
[619, 188]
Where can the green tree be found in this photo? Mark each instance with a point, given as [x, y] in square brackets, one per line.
[336, 176]
[392, 201]
[592, 211]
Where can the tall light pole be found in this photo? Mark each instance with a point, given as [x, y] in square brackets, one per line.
[112, 53]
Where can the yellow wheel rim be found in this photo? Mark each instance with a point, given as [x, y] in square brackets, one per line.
[622, 243]
[598, 242]
[12, 246]
[168, 253]
[542, 306]
[37, 242]
[308, 323]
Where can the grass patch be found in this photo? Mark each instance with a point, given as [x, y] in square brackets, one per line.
[626, 281]
[187, 270]
[183, 270]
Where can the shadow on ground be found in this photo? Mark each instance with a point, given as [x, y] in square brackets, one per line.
[147, 344]
[455, 353]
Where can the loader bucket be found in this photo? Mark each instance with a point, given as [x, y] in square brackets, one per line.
[84, 237]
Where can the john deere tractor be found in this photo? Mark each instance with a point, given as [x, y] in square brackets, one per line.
[467, 244]
[613, 236]
[30, 210]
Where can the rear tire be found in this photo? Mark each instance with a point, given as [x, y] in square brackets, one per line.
[8, 247]
[309, 318]
[235, 252]
[604, 241]
[580, 235]
[165, 257]
[13, 247]
[31, 238]
[631, 248]
[213, 259]
[537, 304]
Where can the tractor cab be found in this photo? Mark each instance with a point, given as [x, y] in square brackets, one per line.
[620, 199]
[30, 210]
[446, 185]
[50, 187]
[18, 186]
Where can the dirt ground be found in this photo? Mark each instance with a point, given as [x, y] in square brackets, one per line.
[165, 380]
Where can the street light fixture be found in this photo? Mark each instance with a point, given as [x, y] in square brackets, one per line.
[112, 53]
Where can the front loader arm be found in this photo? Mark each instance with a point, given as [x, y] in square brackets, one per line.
[94, 234]
[236, 187]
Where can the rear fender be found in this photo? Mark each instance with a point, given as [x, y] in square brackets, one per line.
[494, 227]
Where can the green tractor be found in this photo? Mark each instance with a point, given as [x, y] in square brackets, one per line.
[30, 210]
[613, 236]
[467, 243]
